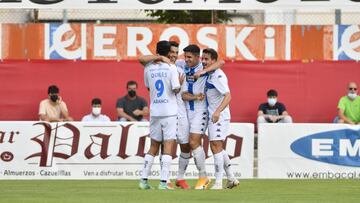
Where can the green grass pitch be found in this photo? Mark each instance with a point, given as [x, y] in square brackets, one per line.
[126, 191]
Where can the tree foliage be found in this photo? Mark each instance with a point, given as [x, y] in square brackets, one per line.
[188, 16]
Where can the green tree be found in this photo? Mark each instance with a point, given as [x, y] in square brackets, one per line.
[189, 16]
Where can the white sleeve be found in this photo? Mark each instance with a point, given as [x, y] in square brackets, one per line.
[146, 80]
[221, 83]
[175, 84]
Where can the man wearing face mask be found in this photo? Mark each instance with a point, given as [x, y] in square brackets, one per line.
[53, 109]
[96, 115]
[273, 111]
[132, 107]
[349, 106]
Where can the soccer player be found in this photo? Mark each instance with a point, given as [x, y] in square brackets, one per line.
[163, 83]
[196, 108]
[218, 97]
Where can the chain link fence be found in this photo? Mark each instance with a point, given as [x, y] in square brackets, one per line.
[288, 17]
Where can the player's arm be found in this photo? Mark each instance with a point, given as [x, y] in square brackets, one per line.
[224, 103]
[151, 58]
[218, 64]
[186, 96]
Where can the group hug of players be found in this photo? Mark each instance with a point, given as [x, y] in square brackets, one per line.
[187, 97]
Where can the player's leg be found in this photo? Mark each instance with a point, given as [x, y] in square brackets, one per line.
[217, 148]
[148, 162]
[168, 127]
[156, 138]
[232, 181]
[184, 157]
[198, 124]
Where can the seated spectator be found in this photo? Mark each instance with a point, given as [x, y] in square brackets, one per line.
[53, 109]
[131, 107]
[96, 115]
[349, 106]
[273, 111]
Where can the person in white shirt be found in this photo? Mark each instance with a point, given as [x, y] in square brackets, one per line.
[218, 97]
[95, 115]
[162, 80]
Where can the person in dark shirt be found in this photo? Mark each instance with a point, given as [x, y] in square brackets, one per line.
[273, 111]
[131, 107]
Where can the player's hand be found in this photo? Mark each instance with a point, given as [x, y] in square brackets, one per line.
[215, 117]
[200, 96]
[181, 79]
[199, 73]
[137, 112]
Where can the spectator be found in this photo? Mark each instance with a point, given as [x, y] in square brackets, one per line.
[273, 111]
[96, 115]
[131, 107]
[53, 109]
[349, 106]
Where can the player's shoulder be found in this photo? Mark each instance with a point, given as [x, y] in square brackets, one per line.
[180, 63]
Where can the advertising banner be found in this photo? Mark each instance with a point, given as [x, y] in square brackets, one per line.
[309, 151]
[41, 150]
[179, 4]
[128, 41]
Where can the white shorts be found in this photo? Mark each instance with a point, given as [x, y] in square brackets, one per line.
[218, 130]
[182, 130]
[198, 121]
[163, 128]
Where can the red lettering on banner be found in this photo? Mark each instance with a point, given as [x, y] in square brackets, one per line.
[45, 143]
[238, 145]
[103, 146]
[11, 136]
[123, 141]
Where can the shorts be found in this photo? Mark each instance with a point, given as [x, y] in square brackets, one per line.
[163, 128]
[198, 121]
[182, 130]
[218, 130]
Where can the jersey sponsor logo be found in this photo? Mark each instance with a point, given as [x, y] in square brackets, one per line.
[339, 147]
[348, 42]
[65, 41]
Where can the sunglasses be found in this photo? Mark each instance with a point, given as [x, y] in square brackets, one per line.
[352, 88]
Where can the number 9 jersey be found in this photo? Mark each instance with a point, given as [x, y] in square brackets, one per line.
[161, 79]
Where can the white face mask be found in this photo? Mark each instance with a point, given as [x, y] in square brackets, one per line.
[96, 111]
[352, 95]
[272, 101]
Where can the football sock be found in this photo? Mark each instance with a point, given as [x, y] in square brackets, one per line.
[183, 163]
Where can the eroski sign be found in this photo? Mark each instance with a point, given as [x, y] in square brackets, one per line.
[339, 147]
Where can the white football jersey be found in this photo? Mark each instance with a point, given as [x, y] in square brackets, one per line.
[216, 87]
[162, 79]
[180, 102]
[193, 86]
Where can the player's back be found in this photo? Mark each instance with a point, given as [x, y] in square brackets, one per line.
[162, 79]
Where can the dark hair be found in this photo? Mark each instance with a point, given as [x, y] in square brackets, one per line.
[131, 82]
[192, 48]
[96, 101]
[272, 93]
[53, 89]
[163, 48]
[174, 44]
[213, 54]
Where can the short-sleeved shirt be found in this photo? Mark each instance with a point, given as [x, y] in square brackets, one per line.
[193, 86]
[162, 79]
[351, 108]
[48, 108]
[130, 106]
[91, 118]
[216, 87]
[276, 110]
[180, 102]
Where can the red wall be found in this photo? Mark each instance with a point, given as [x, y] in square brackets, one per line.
[310, 91]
